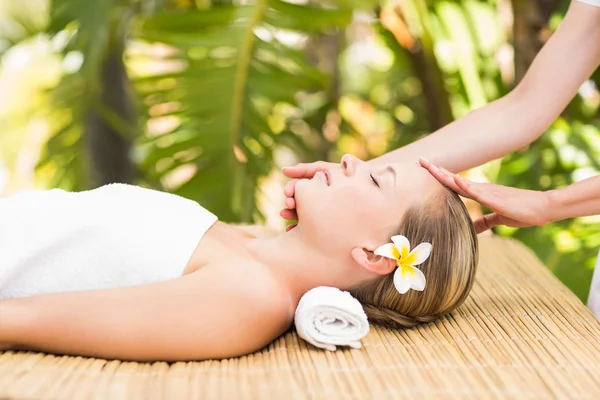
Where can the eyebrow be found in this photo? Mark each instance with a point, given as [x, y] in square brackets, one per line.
[391, 169]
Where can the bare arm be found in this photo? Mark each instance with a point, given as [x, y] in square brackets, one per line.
[512, 122]
[10, 321]
[577, 200]
[180, 319]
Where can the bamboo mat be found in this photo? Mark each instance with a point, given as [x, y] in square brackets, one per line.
[521, 334]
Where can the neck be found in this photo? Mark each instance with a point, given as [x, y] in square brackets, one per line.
[299, 264]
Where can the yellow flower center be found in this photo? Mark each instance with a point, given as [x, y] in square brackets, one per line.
[409, 259]
[406, 269]
[404, 256]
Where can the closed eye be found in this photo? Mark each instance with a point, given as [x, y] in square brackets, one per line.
[374, 181]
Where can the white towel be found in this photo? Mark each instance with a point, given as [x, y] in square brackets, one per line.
[114, 236]
[326, 317]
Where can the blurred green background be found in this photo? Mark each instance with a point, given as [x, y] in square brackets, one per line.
[208, 99]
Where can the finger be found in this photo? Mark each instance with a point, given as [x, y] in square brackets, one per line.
[473, 191]
[288, 214]
[290, 227]
[290, 203]
[466, 188]
[290, 188]
[486, 222]
[452, 185]
[296, 171]
[303, 170]
[444, 176]
[439, 174]
[424, 162]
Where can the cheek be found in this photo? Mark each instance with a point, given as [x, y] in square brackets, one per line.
[359, 205]
[347, 205]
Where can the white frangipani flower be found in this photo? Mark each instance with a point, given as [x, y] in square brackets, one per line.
[406, 276]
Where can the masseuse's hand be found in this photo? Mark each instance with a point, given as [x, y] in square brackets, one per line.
[297, 172]
[517, 208]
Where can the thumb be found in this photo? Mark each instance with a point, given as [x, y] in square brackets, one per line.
[486, 222]
[300, 171]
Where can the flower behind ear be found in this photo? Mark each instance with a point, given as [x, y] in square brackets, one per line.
[406, 275]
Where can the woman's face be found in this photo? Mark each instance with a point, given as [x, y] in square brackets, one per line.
[359, 204]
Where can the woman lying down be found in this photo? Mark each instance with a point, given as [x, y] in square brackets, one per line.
[135, 274]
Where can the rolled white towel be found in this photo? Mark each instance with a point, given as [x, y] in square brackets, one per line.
[326, 317]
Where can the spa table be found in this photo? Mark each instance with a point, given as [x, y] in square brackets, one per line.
[521, 334]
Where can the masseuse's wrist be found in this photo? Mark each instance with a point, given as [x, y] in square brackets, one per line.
[555, 205]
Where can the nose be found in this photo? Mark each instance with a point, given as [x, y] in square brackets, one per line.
[349, 164]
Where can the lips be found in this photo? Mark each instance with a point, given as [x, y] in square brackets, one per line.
[324, 175]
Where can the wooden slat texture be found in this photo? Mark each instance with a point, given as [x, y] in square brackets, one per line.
[521, 334]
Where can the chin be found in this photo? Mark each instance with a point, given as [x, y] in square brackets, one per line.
[309, 201]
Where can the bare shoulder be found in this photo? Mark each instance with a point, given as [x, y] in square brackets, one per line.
[271, 303]
[256, 231]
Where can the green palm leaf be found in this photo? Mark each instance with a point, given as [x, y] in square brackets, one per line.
[86, 31]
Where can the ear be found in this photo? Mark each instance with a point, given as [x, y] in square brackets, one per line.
[372, 262]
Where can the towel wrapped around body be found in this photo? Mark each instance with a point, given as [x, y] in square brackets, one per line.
[114, 236]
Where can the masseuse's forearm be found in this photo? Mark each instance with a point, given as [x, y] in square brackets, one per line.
[512, 122]
[493, 131]
[577, 200]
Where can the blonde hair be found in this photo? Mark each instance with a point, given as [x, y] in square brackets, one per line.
[449, 270]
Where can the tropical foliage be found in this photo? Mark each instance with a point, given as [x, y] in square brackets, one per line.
[188, 95]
